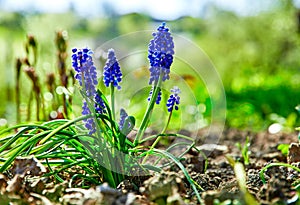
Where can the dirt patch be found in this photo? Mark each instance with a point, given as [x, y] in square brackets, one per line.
[214, 175]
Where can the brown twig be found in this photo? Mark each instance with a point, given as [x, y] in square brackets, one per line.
[61, 44]
[18, 74]
[35, 89]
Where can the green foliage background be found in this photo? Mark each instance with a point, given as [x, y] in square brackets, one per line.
[257, 56]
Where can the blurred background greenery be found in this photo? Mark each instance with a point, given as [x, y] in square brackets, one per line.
[256, 54]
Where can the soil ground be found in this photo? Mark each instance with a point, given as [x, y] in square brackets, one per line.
[218, 181]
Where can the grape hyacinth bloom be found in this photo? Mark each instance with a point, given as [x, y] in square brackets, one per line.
[125, 124]
[99, 104]
[174, 99]
[111, 71]
[158, 99]
[86, 75]
[123, 116]
[160, 54]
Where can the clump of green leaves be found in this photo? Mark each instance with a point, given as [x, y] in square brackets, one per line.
[97, 141]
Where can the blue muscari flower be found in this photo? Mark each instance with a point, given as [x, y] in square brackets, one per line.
[85, 70]
[123, 116]
[111, 71]
[158, 99]
[160, 54]
[99, 104]
[126, 122]
[83, 64]
[174, 99]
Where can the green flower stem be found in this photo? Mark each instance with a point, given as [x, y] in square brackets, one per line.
[112, 99]
[159, 137]
[90, 106]
[107, 173]
[148, 112]
[168, 122]
[162, 132]
[109, 176]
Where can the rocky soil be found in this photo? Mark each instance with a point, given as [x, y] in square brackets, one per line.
[216, 178]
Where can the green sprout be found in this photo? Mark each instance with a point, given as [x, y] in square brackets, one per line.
[245, 150]
[284, 148]
[240, 175]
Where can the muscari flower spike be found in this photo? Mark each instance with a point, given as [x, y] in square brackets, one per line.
[126, 122]
[160, 54]
[86, 75]
[158, 99]
[111, 71]
[123, 116]
[174, 99]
